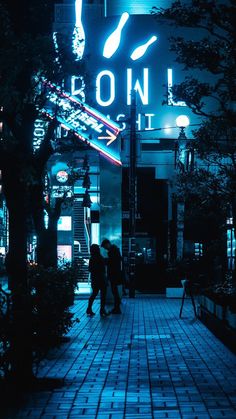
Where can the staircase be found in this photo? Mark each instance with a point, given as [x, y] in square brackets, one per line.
[81, 244]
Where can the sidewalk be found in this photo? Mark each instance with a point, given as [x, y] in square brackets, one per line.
[145, 363]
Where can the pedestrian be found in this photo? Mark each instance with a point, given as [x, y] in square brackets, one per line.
[114, 272]
[98, 280]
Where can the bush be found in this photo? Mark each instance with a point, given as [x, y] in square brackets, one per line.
[225, 293]
[4, 333]
[52, 294]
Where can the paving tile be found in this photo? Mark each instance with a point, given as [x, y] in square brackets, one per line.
[146, 363]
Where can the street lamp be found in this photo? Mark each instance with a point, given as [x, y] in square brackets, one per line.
[183, 155]
[182, 121]
[181, 164]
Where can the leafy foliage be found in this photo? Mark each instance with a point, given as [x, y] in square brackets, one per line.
[207, 53]
[51, 295]
[4, 334]
[225, 293]
[27, 55]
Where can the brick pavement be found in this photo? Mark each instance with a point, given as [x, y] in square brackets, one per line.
[145, 363]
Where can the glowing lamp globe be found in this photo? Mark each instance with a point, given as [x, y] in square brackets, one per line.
[182, 121]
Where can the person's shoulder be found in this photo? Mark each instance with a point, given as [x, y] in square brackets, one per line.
[114, 249]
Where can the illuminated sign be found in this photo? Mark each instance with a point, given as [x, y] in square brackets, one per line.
[113, 41]
[88, 124]
[132, 52]
[125, 53]
[64, 223]
[78, 33]
[62, 176]
[141, 49]
[39, 132]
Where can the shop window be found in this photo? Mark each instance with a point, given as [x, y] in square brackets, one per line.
[64, 253]
[231, 245]
[198, 250]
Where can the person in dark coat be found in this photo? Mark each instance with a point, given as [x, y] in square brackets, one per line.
[114, 272]
[98, 280]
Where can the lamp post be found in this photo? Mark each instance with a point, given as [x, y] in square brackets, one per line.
[132, 195]
[181, 156]
[181, 165]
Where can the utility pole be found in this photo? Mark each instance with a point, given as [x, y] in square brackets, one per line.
[132, 194]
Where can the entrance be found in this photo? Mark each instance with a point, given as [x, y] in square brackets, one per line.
[151, 229]
[92, 208]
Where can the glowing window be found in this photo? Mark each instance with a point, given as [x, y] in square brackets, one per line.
[64, 253]
[64, 223]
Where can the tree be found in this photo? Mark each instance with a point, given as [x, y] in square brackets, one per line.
[27, 53]
[207, 54]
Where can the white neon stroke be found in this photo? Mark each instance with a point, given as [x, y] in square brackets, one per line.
[143, 93]
[111, 77]
[141, 49]
[78, 43]
[78, 91]
[171, 101]
[113, 41]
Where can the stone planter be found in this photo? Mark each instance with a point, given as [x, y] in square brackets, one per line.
[219, 319]
[231, 318]
[209, 304]
[220, 311]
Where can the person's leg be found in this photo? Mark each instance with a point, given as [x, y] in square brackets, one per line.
[92, 297]
[115, 292]
[103, 299]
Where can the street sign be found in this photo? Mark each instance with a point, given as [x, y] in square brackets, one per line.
[88, 124]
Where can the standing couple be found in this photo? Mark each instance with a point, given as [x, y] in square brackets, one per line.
[102, 269]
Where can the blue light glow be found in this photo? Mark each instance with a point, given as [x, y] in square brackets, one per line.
[141, 49]
[171, 101]
[113, 41]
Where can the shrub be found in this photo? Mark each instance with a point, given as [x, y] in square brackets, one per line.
[4, 333]
[52, 294]
[224, 293]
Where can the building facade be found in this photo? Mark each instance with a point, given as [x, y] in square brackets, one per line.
[126, 49]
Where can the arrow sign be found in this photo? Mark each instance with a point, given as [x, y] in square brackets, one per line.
[111, 137]
[86, 122]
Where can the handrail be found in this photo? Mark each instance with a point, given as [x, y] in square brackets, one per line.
[86, 233]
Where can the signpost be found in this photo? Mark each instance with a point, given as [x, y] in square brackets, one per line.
[132, 194]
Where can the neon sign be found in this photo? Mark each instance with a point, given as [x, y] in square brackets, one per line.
[107, 86]
[113, 41]
[114, 59]
[88, 124]
[141, 50]
[39, 132]
[78, 43]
